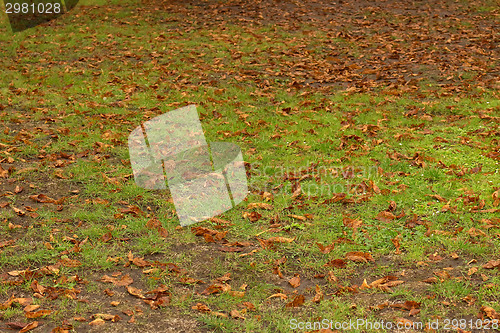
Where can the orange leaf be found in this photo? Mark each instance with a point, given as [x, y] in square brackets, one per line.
[319, 295]
[201, 307]
[359, 256]
[29, 327]
[297, 301]
[492, 264]
[40, 313]
[295, 281]
[337, 263]
[135, 292]
[385, 216]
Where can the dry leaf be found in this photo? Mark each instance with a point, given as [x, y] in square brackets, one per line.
[359, 256]
[135, 292]
[97, 322]
[295, 281]
[29, 327]
[37, 314]
[297, 301]
[236, 314]
[319, 295]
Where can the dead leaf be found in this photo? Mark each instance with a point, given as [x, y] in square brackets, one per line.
[295, 281]
[336, 263]
[236, 314]
[359, 256]
[385, 216]
[325, 249]
[260, 205]
[492, 264]
[42, 198]
[29, 327]
[490, 312]
[297, 301]
[124, 281]
[37, 314]
[201, 308]
[135, 292]
[319, 295]
[280, 295]
[106, 237]
[97, 322]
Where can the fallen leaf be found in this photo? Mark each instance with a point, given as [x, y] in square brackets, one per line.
[297, 301]
[201, 308]
[385, 216]
[29, 327]
[325, 249]
[135, 292]
[492, 264]
[295, 281]
[37, 314]
[280, 295]
[359, 256]
[97, 322]
[236, 314]
[319, 295]
[260, 205]
[124, 281]
[42, 198]
[336, 263]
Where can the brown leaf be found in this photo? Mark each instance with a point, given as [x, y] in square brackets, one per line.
[280, 295]
[140, 262]
[106, 316]
[297, 191]
[6, 243]
[435, 257]
[201, 308]
[97, 322]
[280, 240]
[106, 237]
[385, 216]
[18, 211]
[31, 307]
[295, 281]
[124, 281]
[236, 314]
[354, 224]
[359, 256]
[437, 197]
[249, 306]
[252, 216]
[431, 280]
[135, 292]
[37, 288]
[336, 198]
[336, 263]
[66, 262]
[492, 264]
[42, 198]
[319, 295]
[212, 289]
[29, 327]
[3, 173]
[325, 249]
[40, 313]
[297, 301]
[260, 205]
[490, 312]
[397, 245]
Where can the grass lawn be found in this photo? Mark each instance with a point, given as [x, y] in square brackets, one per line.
[371, 137]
